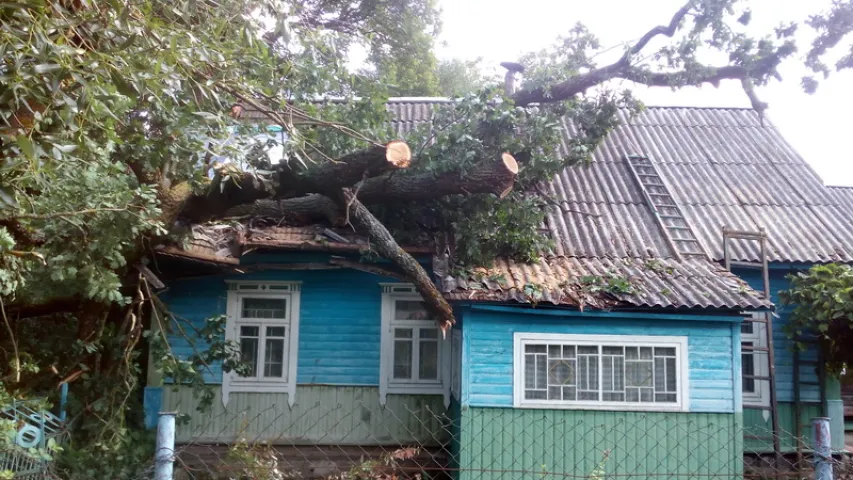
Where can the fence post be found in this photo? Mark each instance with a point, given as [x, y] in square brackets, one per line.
[164, 455]
[822, 448]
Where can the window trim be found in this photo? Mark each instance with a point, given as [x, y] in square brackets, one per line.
[391, 292]
[761, 397]
[682, 404]
[231, 382]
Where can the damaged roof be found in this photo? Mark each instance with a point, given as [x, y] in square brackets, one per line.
[719, 167]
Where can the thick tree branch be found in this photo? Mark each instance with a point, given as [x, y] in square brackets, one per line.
[580, 83]
[384, 244]
[300, 210]
[695, 75]
[495, 177]
[234, 188]
[344, 172]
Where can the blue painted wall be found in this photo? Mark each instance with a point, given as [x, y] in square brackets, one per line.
[783, 345]
[488, 353]
[339, 325]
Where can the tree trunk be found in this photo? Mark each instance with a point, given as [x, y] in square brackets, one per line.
[384, 244]
[230, 189]
[348, 170]
[496, 177]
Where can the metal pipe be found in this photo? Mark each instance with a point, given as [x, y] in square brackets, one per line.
[822, 448]
[164, 456]
[63, 400]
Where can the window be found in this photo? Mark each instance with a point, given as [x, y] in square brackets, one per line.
[263, 319]
[754, 363]
[600, 372]
[415, 356]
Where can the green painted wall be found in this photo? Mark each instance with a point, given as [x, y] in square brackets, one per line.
[503, 443]
[322, 415]
[757, 429]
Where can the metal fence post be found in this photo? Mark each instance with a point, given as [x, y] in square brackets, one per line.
[164, 457]
[822, 448]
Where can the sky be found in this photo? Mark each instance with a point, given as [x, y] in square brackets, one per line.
[816, 125]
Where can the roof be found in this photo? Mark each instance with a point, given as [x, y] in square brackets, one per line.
[656, 283]
[723, 167]
[720, 167]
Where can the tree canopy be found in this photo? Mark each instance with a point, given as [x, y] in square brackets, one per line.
[119, 133]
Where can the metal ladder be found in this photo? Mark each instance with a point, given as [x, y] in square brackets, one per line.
[668, 214]
[761, 237]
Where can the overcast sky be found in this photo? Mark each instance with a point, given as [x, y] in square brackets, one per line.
[817, 125]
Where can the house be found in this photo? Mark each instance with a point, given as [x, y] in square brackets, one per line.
[629, 348]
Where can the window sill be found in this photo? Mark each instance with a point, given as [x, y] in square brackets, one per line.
[266, 387]
[621, 407]
[417, 389]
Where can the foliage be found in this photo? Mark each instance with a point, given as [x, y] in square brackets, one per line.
[457, 77]
[482, 126]
[209, 347]
[112, 112]
[823, 310]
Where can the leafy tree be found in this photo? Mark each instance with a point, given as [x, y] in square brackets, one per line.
[457, 77]
[823, 312]
[119, 132]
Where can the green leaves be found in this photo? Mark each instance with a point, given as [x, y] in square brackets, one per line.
[26, 146]
[822, 298]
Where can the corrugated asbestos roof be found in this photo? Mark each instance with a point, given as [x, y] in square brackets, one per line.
[661, 283]
[724, 167]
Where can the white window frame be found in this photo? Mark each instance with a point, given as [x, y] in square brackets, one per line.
[520, 340]
[391, 293]
[761, 396]
[237, 291]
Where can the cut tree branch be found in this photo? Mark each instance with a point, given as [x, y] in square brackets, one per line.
[233, 188]
[384, 244]
[495, 177]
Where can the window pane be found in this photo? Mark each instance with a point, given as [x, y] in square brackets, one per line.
[561, 372]
[275, 331]
[535, 348]
[431, 333]
[746, 327]
[249, 331]
[274, 358]
[670, 375]
[403, 333]
[748, 368]
[264, 308]
[249, 354]
[410, 310]
[428, 369]
[665, 351]
[638, 374]
[403, 359]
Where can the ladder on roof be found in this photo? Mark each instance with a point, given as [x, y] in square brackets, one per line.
[666, 211]
[763, 323]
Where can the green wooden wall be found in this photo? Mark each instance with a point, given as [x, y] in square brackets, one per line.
[322, 415]
[758, 429]
[503, 443]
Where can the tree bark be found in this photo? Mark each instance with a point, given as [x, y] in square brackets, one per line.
[491, 176]
[495, 177]
[229, 189]
[384, 244]
[344, 172]
[300, 210]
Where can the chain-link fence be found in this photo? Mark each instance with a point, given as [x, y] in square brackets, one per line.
[416, 439]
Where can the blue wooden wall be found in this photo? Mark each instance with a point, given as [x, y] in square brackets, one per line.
[339, 325]
[488, 353]
[783, 345]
